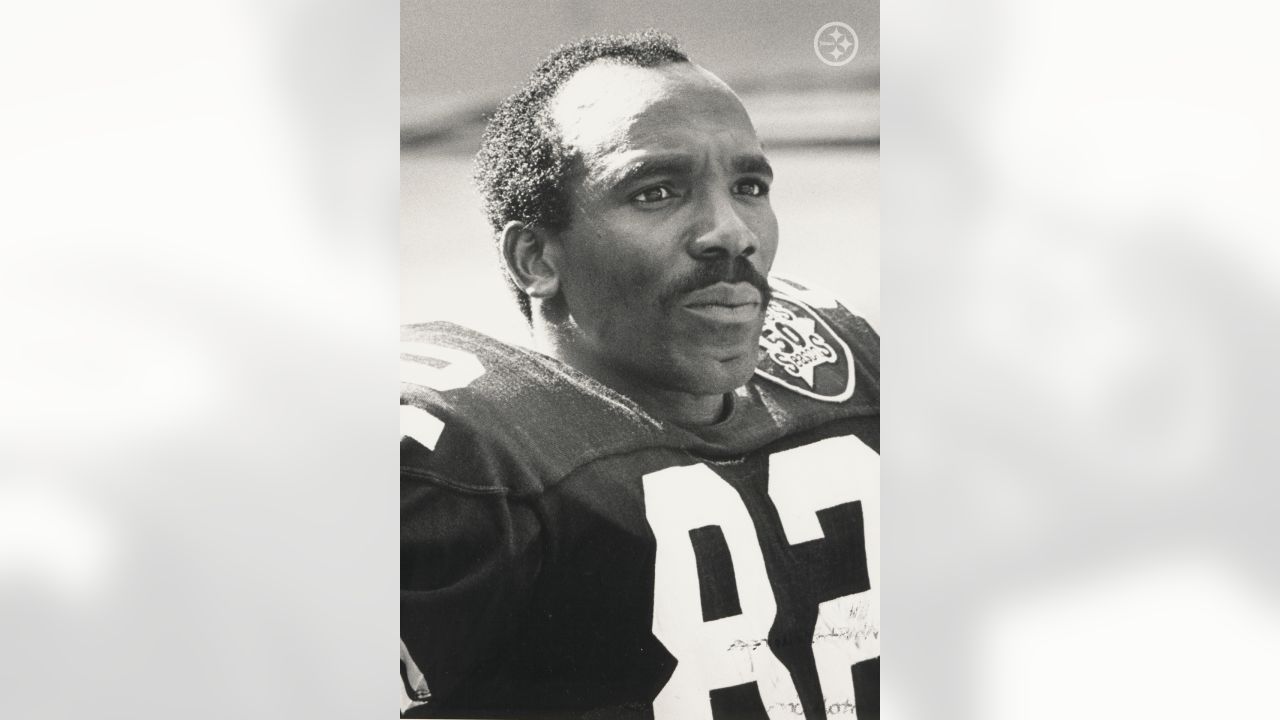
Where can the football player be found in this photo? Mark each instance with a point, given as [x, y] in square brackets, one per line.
[670, 508]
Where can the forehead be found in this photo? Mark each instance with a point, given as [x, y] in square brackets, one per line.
[609, 107]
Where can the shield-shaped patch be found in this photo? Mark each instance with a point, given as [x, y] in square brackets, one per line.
[800, 351]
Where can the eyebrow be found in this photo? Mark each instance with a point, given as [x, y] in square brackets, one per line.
[684, 165]
[752, 164]
[651, 166]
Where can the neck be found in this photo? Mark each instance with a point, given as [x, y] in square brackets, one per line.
[675, 406]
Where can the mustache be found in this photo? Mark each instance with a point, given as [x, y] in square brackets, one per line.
[720, 270]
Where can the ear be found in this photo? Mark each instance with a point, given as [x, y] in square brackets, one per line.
[531, 259]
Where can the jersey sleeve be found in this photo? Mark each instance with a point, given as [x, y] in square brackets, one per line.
[470, 540]
[467, 565]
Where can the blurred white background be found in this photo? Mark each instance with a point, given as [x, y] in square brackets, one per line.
[197, 495]
[1080, 322]
[198, 266]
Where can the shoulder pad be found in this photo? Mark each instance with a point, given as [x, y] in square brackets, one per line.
[483, 416]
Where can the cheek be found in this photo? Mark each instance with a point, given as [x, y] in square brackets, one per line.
[623, 273]
[766, 231]
[638, 277]
[627, 295]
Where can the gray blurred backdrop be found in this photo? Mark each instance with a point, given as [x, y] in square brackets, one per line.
[819, 123]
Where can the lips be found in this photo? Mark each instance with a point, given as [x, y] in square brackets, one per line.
[725, 302]
[730, 295]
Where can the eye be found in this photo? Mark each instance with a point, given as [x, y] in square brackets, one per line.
[653, 195]
[752, 188]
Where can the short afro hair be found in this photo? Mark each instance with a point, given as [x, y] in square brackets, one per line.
[522, 163]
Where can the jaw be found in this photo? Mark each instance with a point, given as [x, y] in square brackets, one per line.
[715, 371]
[682, 377]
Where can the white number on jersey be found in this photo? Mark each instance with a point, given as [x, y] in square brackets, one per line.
[711, 655]
[413, 686]
[459, 369]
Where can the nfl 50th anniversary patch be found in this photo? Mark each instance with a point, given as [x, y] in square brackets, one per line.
[800, 351]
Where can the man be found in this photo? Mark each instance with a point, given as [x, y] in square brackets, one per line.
[664, 511]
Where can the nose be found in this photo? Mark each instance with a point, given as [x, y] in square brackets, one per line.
[721, 232]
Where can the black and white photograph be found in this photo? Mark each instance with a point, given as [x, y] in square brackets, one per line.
[640, 360]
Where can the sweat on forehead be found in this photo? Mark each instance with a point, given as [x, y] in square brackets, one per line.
[604, 99]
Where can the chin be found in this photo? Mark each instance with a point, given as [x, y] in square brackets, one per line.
[716, 377]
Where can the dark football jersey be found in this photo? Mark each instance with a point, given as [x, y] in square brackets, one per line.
[565, 554]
